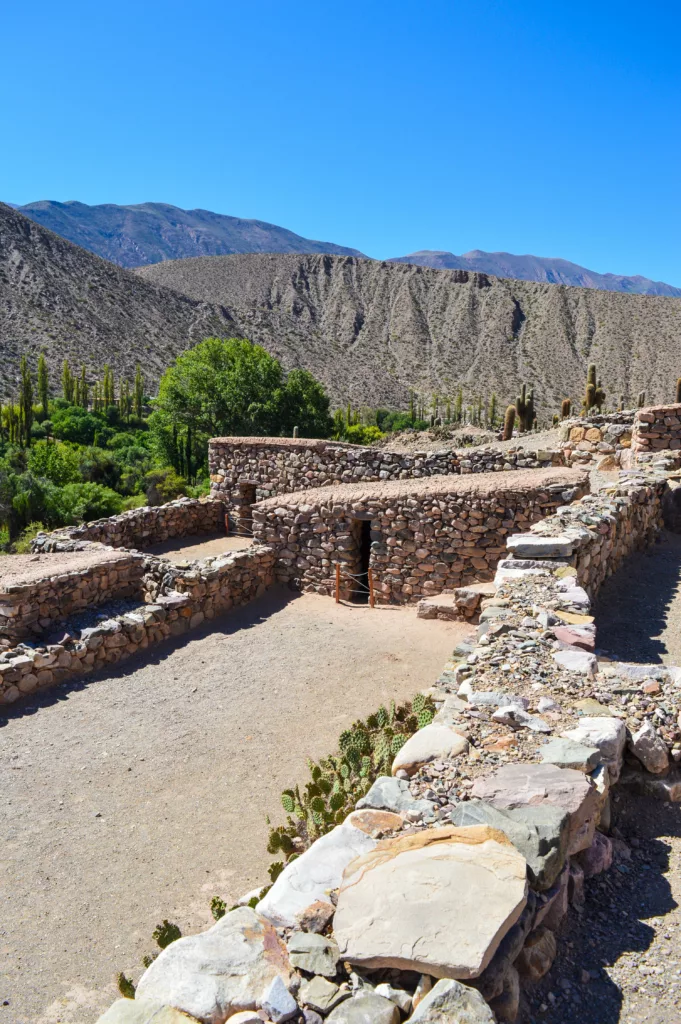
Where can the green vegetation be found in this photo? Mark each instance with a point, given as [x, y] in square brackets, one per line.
[594, 394]
[509, 422]
[102, 447]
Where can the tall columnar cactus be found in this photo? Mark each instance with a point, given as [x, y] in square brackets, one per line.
[524, 404]
[509, 423]
[641, 401]
[594, 394]
[678, 391]
[565, 408]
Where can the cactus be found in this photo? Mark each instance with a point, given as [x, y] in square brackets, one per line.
[166, 933]
[678, 391]
[509, 421]
[594, 395]
[218, 907]
[620, 407]
[565, 409]
[125, 986]
[524, 404]
[600, 395]
[641, 401]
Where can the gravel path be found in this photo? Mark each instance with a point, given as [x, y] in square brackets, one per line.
[619, 960]
[142, 795]
[187, 549]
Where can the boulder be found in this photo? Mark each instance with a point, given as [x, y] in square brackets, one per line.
[438, 901]
[555, 905]
[136, 1011]
[322, 995]
[518, 718]
[279, 1004]
[522, 785]
[648, 746]
[537, 954]
[310, 877]
[539, 833]
[597, 858]
[316, 917]
[394, 794]
[374, 823]
[608, 734]
[219, 972]
[245, 1017]
[316, 954]
[399, 996]
[450, 1002]
[506, 1006]
[566, 753]
[580, 662]
[365, 1008]
[433, 743]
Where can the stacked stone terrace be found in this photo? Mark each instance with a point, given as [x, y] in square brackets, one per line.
[657, 429]
[426, 535]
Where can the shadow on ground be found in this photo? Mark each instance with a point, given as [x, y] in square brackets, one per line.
[615, 924]
[638, 610]
[246, 617]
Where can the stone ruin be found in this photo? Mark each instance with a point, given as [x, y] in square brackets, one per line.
[439, 897]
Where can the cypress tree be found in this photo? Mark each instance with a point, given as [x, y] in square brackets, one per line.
[138, 394]
[26, 401]
[67, 383]
[43, 385]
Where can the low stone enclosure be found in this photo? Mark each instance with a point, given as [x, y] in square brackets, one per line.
[439, 898]
[416, 536]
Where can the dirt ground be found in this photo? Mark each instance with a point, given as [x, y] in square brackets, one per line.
[188, 549]
[140, 796]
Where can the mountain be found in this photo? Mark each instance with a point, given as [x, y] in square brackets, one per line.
[134, 236]
[536, 268]
[372, 330]
[61, 299]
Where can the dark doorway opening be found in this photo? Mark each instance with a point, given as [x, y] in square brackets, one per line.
[361, 596]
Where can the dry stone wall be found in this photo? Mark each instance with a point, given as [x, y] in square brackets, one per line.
[426, 536]
[140, 528]
[499, 810]
[248, 469]
[598, 439]
[657, 429]
[37, 593]
[173, 601]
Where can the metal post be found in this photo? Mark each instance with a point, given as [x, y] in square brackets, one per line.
[337, 582]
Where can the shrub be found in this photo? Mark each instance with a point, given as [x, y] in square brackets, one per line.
[23, 545]
[359, 434]
[164, 485]
[81, 503]
[55, 461]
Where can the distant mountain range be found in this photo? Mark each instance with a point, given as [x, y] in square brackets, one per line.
[537, 268]
[136, 236]
[149, 233]
[369, 330]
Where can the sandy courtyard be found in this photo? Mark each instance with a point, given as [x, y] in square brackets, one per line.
[140, 796]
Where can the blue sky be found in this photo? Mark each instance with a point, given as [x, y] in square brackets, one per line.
[389, 126]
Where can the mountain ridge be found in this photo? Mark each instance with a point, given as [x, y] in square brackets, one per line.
[549, 270]
[147, 233]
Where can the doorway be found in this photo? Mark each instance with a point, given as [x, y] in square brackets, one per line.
[363, 537]
[243, 509]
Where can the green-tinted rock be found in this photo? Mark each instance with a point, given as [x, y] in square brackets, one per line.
[570, 754]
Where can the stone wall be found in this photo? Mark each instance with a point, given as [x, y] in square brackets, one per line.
[514, 775]
[248, 469]
[176, 601]
[426, 536]
[597, 439]
[140, 528]
[39, 592]
[656, 429]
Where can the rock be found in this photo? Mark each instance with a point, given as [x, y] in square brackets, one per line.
[279, 1004]
[316, 917]
[566, 753]
[136, 1011]
[246, 1017]
[518, 718]
[608, 734]
[505, 1007]
[433, 743]
[423, 987]
[311, 1017]
[394, 795]
[374, 823]
[322, 995]
[309, 878]
[497, 699]
[667, 788]
[492, 980]
[450, 1002]
[365, 1008]
[438, 901]
[528, 545]
[597, 858]
[315, 954]
[547, 704]
[649, 747]
[539, 833]
[577, 636]
[555, 907]
[537, 955]
[398, 996]
[580, 662]
[576, 883]
[522, 785]
[219, 972]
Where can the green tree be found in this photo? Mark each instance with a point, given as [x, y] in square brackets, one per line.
[230, 386]
[43, 386]
[26, 401]
[138, 393]
[67, 382]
